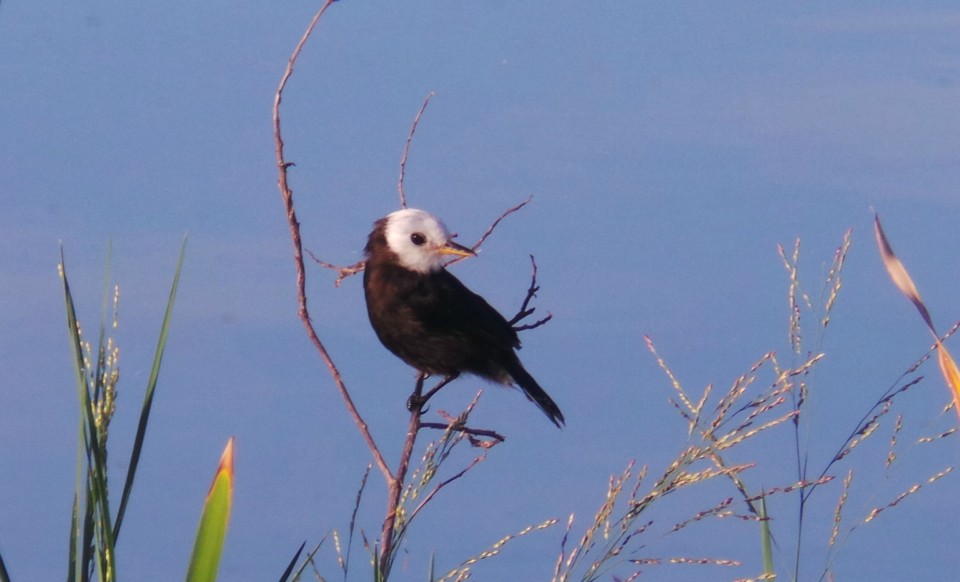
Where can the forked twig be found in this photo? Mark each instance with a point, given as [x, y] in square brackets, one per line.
[525, 309]
[342, 272]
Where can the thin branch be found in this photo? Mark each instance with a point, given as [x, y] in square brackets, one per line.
[535, 324]
[342, 272]
[396, 481]
[496, 437]
[406, 150]
[489, 230]
[287, 194]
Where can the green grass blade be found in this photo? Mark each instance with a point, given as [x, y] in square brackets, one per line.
[86, 540]
[77, 350]
[308, 560]
[79, 560]
[766, 541]
[72, 552]
[148, 396]
[100, 525]
[4, 576]
[293, 564]
[92, 484]
[104, 302]
[213, 522]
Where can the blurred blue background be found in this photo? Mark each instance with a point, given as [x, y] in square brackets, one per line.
[669, 147]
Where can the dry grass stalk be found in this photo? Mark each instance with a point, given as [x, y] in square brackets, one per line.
[792, 266]
[833, 280]
[910, 491]
[937, 437]
[463, 572]
[681, 393]
[742, 413]
[704, 561]
[892, 455]
[838, 512]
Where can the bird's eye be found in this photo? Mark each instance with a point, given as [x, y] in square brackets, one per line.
[418, 239]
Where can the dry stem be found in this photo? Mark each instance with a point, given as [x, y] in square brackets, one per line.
[406, 150]
[287, 194]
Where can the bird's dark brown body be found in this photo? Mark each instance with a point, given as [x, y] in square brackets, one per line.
[431, 321]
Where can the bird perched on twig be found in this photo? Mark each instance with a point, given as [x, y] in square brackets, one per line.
[428, 318]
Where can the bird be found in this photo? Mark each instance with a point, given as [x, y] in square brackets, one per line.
[428, 318]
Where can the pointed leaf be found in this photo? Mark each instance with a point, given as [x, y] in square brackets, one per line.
[899, 273]
[4, 576]
[950, 372]
[766, 539]
[213, 522]
[148, 395]
[92, 481]
[903, 282]
[293, 564]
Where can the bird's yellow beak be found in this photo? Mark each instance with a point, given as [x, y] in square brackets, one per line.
[452, 248]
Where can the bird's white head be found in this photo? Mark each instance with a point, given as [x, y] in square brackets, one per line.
[420, 240]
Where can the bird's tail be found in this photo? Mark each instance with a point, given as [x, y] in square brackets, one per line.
[536, 394]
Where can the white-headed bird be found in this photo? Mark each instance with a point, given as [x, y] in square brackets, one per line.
[428, 318]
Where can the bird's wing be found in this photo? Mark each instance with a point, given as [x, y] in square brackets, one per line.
[447, 307]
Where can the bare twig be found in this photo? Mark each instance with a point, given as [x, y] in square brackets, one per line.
[471, 433]
[342, 272]
[287, 194]
[406, 150]
[489, 230]
[507, 213]
[535, 324]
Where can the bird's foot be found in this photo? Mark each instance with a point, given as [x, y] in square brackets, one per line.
[418, 400]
